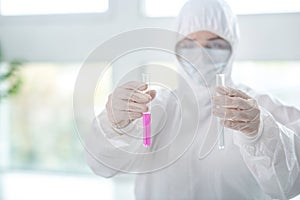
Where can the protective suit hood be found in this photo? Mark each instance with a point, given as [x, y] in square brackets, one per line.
[214, 16]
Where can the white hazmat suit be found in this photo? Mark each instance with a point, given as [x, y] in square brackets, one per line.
[264, 166]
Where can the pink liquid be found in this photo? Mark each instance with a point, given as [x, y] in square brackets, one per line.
[147, 129]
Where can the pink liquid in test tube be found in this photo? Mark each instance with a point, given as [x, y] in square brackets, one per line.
[147, 117]
[147, 129]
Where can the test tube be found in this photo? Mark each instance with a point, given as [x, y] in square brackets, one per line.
[220, 81]
[147, 117]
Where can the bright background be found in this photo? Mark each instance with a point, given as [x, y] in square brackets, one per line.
[40, 154]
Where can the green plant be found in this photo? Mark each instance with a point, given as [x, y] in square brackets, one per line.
[10, 80]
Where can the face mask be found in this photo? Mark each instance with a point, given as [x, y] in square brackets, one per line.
[202, 64]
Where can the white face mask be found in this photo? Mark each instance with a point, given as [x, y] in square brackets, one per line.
[201, 63]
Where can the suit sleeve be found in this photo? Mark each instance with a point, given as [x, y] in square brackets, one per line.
[272, 155]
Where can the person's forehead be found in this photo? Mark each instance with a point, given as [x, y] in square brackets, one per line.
[202, 35]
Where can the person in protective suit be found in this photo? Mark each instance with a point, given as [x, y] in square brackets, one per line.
[262, 153]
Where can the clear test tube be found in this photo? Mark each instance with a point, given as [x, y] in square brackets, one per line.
[220, 81]
[147, 117]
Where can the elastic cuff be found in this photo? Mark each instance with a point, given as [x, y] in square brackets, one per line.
[126, 129]
[245, 139]
[123, 137]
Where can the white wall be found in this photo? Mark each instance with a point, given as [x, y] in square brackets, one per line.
[72, 37]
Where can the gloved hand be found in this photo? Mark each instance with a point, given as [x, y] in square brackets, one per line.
[237, 110]
[128, 102]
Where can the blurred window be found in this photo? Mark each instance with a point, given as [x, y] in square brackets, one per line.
[42, 128]
[46, 7]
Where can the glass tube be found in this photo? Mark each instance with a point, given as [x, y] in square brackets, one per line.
[147, 117]
[220, 81]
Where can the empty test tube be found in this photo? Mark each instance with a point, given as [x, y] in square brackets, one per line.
[220, 81]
